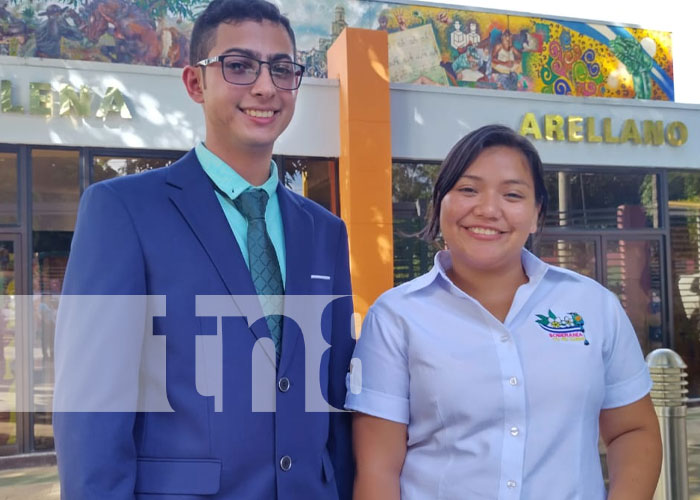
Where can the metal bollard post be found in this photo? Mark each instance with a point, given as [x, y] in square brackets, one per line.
[669, 396]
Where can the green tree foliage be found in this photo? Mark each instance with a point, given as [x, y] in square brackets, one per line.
[186, 9]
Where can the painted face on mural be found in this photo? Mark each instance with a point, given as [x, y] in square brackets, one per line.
[247, 117]
[507, 40]
[487, 216]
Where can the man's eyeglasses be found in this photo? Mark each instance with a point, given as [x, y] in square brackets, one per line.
[243, 70]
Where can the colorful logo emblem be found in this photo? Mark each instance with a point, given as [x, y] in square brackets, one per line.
[567, 328]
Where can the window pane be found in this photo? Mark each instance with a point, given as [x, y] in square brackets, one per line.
[633, 273]
[8, 381]
[55, 196]
[107, 167]
[412, 187]
[50, 257]
[55, 189]
[684, 214]
[8, 189]
[577, 255]
[625, 200]
[312, 178]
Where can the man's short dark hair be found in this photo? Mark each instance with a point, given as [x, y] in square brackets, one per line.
[232, 11]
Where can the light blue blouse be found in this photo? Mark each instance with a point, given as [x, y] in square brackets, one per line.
[498, 410]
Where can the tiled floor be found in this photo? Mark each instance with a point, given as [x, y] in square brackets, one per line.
[41, 483]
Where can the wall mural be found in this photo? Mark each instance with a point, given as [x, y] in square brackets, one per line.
[427, 45]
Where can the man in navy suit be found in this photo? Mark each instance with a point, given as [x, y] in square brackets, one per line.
[183, 234]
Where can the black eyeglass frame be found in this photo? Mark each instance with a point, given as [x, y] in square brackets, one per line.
[211, 60]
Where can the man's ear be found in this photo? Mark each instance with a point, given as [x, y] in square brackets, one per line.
[193, 78]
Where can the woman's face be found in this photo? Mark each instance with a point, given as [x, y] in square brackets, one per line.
[489, 213]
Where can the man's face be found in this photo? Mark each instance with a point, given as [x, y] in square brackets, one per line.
[247, 117]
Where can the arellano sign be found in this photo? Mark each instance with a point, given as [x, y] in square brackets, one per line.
[602, 130]
[71, 102]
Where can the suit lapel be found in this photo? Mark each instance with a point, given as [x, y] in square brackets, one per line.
[193, 194]
[299, 244]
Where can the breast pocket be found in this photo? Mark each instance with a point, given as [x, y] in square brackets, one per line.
[174, 476]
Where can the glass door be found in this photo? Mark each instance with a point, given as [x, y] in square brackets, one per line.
[634, 272]
[581, 254]
[10, 350]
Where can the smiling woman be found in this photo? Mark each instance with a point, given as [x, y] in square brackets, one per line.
[482, 403]
[488, 215]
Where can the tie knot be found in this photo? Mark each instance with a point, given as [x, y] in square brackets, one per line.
[252, 203]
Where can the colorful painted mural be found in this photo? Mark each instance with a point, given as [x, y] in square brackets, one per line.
[152, 32]
[499, 51]
[427, 45]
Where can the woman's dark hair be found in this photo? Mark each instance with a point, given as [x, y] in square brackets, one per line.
[232, 11]
[465, 152]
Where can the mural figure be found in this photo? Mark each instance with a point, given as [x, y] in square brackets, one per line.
[14, 32]
[507, 63]
[383, 23]
[175, 47]
[505, 58]
[54, 28]
[637, 61]
[473, 37]
[135, 34]
[458, 39]
[401, 20]
[472, 62]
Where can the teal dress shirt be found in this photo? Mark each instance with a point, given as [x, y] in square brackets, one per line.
[232, 184]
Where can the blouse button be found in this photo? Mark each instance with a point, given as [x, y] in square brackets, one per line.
[513, 381]
[505, 338]
[511, 484]
[514, 431]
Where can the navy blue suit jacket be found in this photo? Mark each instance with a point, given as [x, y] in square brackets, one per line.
[164, 233]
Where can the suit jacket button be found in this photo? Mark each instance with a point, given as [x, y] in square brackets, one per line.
[283, 384]
[286, 463]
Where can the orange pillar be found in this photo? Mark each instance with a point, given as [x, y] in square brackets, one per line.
[359, 58]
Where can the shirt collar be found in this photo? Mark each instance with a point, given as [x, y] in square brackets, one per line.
[534, 268]
[227, 179]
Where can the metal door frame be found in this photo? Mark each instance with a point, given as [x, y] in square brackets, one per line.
[22, 370]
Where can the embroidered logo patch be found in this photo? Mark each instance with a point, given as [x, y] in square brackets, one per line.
[567, 328]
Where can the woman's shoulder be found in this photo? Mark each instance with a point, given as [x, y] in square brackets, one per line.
[397, 296]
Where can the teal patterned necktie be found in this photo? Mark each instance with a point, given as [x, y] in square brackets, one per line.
[262, 259]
